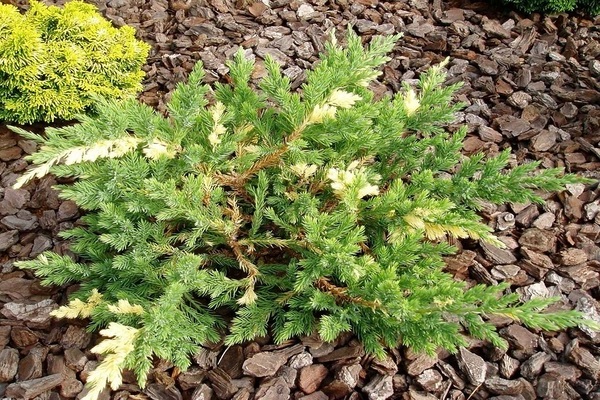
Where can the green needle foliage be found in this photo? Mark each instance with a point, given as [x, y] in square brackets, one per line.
[321, 211]
[556, 6]
[54, 61]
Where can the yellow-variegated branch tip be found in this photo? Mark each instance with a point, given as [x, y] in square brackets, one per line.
[77, 308]
[119, 343]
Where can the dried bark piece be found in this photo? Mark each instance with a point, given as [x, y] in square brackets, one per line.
[69, 386]
[313, 341]
[472, 365]
[452, 15]
[349, 375]
[231, 362]
[573, 206]
[573, 256]
[532, 368]
[431, 380]
[10, 154]
[40, 244]
[414, 395]
[301, 360]
[582, 274]
[257, 8]
[538, 240]
[205, 358]
[335, 390]
[569, 110]
[536, 264]
[23, 337]
[520, 338]
[416, 365]
[76, 336]
[472, 145]
[38, 313]
[221, 383]
[505, 88]
[264, 364]
[311, 376]
[243, 394]
[8, 239]
[202, 392]
[588, 146]
[379, 388]
[158, 391]
[523, 77]
[75, 359]
[550, 386]
[481, 274]
[449, 371]
[488, 134]
[385, 366]
[315, 396]
[527, 215]
[589, 307]
[497, 385]
[31, 366]
[273, 389]
[9, 364]
[505, 221]
[505, 272]
[519, 99]
[343, 353]
[32, 388]
[460, 263]
[494, 29]
[512, 127]
[277, 54]
[7, 138]
[536, 290]
[13, 201]
[568, 371]
[22, 221]
[544, 140]
[191, 378]
[498, 255]
[306, 12]
[583, 358]
[288, 351]
[487, 66]
[419, 29]
[508, 366]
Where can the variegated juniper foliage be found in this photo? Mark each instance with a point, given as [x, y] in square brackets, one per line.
[53, 61]
[322, 211]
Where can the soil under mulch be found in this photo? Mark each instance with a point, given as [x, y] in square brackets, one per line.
[530, 83]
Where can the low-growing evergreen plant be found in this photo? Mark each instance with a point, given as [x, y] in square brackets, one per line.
[55, 61]
[322, 210]
[591, 6]
[556, 6]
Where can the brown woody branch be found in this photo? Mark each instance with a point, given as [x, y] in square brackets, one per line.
[341, 295]
[238, 181]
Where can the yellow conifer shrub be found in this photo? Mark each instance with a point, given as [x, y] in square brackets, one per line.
[55, 61]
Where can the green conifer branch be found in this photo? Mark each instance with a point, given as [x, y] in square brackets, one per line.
[314, 211]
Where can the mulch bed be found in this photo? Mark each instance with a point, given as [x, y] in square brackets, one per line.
[530, 83]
